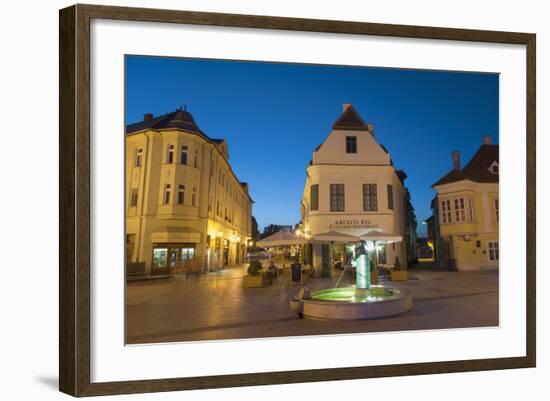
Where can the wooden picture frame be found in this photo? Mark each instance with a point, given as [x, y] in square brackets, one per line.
[74, 203]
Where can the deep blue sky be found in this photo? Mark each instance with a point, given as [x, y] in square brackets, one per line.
[274, 115]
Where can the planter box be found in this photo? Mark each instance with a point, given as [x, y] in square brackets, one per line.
[399, 275]
[255, 281]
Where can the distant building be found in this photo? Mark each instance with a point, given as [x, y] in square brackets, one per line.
[410, 224]
[434, 235]
[184, 203]
[424, 249]
[465, 227]
[273, 228]
[353, 187]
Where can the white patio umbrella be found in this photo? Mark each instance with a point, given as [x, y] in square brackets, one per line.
[281, 239]
[379, 236]
[335, 236]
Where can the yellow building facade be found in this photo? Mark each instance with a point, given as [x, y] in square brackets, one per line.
[467, 211]
[186, 210]
[352, 187]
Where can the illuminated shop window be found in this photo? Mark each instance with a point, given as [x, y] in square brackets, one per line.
[160, 257]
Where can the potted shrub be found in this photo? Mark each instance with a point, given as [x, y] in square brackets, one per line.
[255, 277]
[398, 273]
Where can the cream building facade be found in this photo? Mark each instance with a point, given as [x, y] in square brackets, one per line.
[353, 187]
[185, 207]
[466, 211]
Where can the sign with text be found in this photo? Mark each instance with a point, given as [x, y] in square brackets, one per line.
[353, 223]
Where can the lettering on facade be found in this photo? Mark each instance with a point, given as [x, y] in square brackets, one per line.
[353, 223]
[175, 237]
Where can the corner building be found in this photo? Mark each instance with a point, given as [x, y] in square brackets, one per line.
[185, 207]
[466, 212]
[352, 187]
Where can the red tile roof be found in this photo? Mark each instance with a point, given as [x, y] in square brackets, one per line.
[477, 169]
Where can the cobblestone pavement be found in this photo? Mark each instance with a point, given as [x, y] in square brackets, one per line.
[215, 306]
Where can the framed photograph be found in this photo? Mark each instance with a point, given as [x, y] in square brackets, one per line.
[250, 200]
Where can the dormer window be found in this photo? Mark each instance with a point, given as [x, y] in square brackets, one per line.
[493, 168]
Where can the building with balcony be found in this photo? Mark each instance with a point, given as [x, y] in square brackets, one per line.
[465, 223]
[185, 207]
[352, 187]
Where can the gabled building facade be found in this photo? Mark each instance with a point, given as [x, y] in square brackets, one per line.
[185, 207]
[353, 187]
[466, 212]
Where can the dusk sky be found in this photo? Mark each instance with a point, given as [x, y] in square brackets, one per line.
[274, 115]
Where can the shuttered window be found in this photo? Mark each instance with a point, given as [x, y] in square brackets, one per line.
[314, 197]
[390, 196]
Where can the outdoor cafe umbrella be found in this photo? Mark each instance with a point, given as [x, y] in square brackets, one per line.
[280, 239]
[334, 237]
[379, 236]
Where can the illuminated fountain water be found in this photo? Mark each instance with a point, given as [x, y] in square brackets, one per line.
[363, 301]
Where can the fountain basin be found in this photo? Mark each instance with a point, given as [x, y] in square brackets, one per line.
[345, 304]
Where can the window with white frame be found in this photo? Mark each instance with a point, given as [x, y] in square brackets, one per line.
[496, 209]
[138, 157]
[446, 212]
[492, 250]
[493, 168]
[181, 194]
[457, 210]
[170, 154]
[166, 197]
[183, 154]
[460, 210]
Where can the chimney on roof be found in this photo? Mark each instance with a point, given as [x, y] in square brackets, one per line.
[346, 106]
[147, 116]
[455, 156]
[487, 140]
[370, 128]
